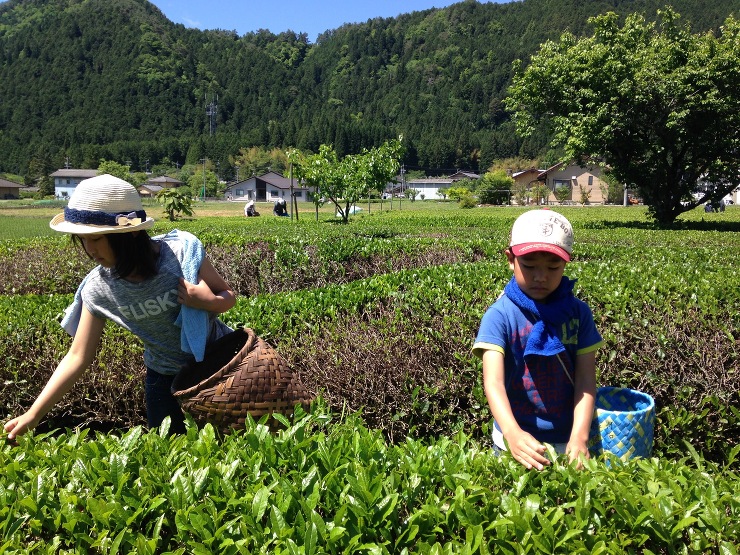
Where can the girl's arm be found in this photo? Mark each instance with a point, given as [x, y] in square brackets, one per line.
[79, 357]
[522, 445]
[583, 405]
[211, 293]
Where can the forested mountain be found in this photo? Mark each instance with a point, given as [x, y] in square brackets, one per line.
[89, 79]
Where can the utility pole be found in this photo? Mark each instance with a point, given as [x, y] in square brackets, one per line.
[204, 178]
[211, 111]
[403, 185]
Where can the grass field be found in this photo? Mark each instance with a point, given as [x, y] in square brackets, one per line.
[25, 218]
[21, 219]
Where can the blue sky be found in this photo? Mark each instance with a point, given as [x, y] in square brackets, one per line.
[302, 16]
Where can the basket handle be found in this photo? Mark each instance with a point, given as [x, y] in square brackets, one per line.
[562, 364]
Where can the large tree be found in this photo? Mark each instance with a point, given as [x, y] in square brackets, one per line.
[656, 103]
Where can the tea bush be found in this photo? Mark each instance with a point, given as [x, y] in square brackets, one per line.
[379, 317]
[329, 485]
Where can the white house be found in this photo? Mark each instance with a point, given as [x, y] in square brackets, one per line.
[66, 180]
[430, 186]
[267, 187]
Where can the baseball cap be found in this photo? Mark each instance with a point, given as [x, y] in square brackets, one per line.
[542, 231]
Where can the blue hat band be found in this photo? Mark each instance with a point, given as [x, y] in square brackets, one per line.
[94, 217]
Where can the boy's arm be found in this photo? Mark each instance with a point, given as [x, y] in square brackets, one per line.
[583, 405]
[522, 445]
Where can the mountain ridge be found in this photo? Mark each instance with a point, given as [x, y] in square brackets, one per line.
[82, 80]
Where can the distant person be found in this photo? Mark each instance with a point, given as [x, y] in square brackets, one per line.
[538, 344]
[249, 210]
[280, 208]
[162, 289]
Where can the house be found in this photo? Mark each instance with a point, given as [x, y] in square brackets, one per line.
[430, 186]
[267, 187]
[526, 178]
[575, 177]
[164, 182]
[151, 187]
[10, 189]
[590, 177]
[66, 180]
[148, 190]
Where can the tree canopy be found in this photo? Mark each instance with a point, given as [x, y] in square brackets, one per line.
[344, 181]
[658, 105]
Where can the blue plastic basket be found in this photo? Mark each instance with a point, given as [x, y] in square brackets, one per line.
[623, 423]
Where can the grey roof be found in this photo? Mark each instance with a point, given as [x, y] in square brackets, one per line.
[273, 178]
[7, 184]
[163, 179]
[70, 172]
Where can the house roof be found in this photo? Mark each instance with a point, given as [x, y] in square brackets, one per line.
[464, 175]
[71, 172]
[8, 184]
[151, 188]
[272, 178]
[457, 176]
[530, 170]
[163, 179]
[432, 180]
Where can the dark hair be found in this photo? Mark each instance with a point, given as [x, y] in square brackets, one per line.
[134, 253]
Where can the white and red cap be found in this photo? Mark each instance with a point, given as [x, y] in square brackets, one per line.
[542, 231]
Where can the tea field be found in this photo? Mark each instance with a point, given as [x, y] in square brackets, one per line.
[378, 317]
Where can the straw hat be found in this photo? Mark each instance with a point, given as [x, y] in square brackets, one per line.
[102, 204]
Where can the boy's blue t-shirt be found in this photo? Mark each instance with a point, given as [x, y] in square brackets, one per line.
[540, 393]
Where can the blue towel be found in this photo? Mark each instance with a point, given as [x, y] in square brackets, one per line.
[192, 321]
[544, 337]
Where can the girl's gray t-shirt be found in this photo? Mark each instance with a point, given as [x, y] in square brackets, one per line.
[148, 309]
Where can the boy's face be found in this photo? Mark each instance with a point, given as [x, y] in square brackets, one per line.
[537, 274]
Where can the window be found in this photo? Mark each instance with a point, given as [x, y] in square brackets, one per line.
[557, 183]
[590, 180]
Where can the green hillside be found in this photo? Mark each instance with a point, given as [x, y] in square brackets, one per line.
[81, 81]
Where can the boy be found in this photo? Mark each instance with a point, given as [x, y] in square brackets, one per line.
[538, 345]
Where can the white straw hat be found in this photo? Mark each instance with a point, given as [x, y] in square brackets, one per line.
[102, 204]
[542, 231]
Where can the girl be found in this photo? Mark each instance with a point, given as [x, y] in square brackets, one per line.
[161, 289]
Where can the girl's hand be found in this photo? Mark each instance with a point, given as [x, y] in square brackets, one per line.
[19, 425]
[527, 450]
[194, 295]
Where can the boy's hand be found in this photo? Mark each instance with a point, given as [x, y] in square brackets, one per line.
[527, 450]
[577, 452]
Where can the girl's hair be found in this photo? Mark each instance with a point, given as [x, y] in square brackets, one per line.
[134, 252]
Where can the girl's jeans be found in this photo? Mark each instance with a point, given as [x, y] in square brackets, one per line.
[160, 402]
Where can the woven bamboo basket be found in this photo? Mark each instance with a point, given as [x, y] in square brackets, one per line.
[241, 374]
[623, 423]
